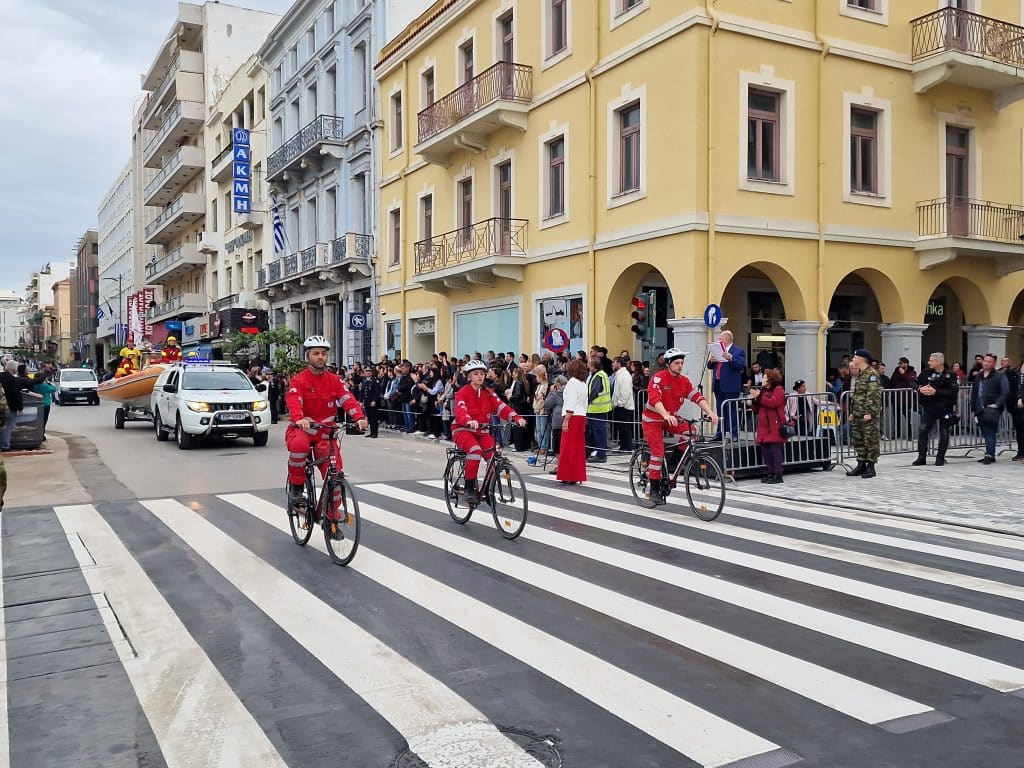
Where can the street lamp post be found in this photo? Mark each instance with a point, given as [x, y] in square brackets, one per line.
[120, 308]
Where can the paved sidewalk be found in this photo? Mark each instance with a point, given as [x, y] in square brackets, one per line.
[43, 477]
[963, 492]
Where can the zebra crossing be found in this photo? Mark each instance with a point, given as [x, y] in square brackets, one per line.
[607, 635]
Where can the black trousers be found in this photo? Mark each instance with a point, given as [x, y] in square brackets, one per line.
[373, 417]
[928, 420]
[623, 423]
[1017, 415]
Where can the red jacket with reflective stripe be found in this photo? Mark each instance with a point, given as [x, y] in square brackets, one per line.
[318, 396]
[473, 406]
[670, 391]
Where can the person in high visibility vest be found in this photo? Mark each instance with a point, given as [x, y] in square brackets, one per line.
[171, 352]
[599, 406]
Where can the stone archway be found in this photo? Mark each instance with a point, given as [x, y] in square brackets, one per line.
[636, 278]
[867, 310]
[958, 318]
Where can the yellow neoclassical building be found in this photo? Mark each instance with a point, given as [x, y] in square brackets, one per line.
[833, 174]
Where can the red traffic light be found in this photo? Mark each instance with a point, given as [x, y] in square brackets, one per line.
[639, 302]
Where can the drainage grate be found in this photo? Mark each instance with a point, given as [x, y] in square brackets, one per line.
[543, 749]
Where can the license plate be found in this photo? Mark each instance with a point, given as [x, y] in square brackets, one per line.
[234, 416]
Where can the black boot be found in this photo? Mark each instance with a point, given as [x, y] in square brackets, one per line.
[472, 497]
[858, 470]
[940, 453]
[919, 461]
[869, 470]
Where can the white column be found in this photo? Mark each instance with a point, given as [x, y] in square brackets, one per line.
[982, 339]
[902, 340]
[310, 310]
[692, 335]
[330, 323]
[291, 318]
[801, 361]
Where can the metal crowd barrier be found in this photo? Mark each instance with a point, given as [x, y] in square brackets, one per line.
[816, 444]
[901, 420]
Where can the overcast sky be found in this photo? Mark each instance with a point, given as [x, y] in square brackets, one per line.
[69, 82]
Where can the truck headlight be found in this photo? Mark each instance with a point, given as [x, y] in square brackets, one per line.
[198, 407]
[260, 405]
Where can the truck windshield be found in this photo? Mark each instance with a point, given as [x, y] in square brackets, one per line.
[70, 375]
[216, 380]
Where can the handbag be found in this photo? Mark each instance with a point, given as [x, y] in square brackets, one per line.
[787, 429]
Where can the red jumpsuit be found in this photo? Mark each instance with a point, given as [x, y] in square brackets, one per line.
[170, 354]
[479, 406]
[314, 396]
[669, 390]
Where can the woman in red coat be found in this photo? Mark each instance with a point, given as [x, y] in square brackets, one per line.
[770, 410]
[572, 463]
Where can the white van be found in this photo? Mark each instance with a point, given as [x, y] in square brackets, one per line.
[76, 385]
[211, 399]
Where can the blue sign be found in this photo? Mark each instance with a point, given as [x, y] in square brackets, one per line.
[242, 171]
[357, 321]
[173, 326]
[712, 316]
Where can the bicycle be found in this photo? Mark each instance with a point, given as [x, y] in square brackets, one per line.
[340, 526]
[702, 474]
[502, 488]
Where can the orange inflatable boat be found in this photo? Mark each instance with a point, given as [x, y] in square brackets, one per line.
[132, 391]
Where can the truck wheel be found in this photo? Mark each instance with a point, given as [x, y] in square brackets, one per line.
[119, 418]
[158, 427]
[183, 438]
[260, 438]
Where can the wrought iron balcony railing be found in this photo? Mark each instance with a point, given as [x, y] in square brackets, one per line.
[227, 302]
[491, 237]
[963, 217]
[504, 81]
[362, 245]
[322, 128]
[953, 29]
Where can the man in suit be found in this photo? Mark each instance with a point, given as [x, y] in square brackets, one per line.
[727, 381]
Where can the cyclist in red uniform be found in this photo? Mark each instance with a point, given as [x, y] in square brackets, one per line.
[314, 394]
[666, 392]
[474, 406]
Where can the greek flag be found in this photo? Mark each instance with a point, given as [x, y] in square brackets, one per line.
[100, 314]
[120, 334]
[278, 228]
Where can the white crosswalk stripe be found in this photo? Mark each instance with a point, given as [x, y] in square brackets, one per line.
[475, 587]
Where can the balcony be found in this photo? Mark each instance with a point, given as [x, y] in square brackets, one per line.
[182, 305]
[211, 243]
[498, 97]
[964, 48]
[222, 166]
[354, 252]
[183, 80]
[951, 227]
[321, 137]
[474, 255]
[178, 171]
[225, 303]
[310, 267]
[254, 219]
[183, 120]
[173, 219]
[176, 263]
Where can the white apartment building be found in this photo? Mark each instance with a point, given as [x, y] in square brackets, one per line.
[12, 319]
[206, 44]
[322, 169]
[116, 259]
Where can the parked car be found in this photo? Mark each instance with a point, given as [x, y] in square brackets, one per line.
[76, 385]
[196, 400]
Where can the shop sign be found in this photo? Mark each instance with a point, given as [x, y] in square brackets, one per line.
[936, 308]
[237, 242]
[423, 327]
[242, 192]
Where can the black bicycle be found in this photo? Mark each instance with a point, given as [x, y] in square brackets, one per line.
[702, 475]
[336, 510]
[502, 487]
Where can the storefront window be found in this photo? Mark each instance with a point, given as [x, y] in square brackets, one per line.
[394, 339]
[564, 314]
[487, 329]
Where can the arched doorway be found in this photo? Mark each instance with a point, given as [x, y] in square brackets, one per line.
[862, 301]
[1015, 339]
[952, 305]
[644, 281]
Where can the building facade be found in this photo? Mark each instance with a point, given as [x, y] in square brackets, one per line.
[12, 318]
[40, 316]
[61, 321]
[831, 174]
[116, 257]
[207, 43]
[86, 296]
[321, 171]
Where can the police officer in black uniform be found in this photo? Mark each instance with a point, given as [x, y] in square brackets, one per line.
[369, 395]
[937, 390]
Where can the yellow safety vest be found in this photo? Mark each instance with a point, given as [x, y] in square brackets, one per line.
[603, 402]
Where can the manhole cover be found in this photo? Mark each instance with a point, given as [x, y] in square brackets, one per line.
[465, 745]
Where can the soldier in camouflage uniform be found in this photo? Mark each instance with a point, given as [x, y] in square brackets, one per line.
[865, 412]
[5, 414]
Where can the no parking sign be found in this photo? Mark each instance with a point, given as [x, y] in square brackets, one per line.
[556, 341]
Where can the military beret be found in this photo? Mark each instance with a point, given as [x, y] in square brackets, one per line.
[865, 354]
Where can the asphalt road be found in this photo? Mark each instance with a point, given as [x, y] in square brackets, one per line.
[173, 622]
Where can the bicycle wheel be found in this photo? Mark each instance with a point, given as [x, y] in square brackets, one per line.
[301, 519]
[639, 481]
[507, 496]
[454, 491]
[705, 487]
[341, 520]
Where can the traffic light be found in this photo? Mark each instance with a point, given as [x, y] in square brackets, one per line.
[652, 319]
[641, 317]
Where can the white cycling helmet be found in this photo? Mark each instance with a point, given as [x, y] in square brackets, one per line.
[474, 365]
[674, 354]
[316, 341]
